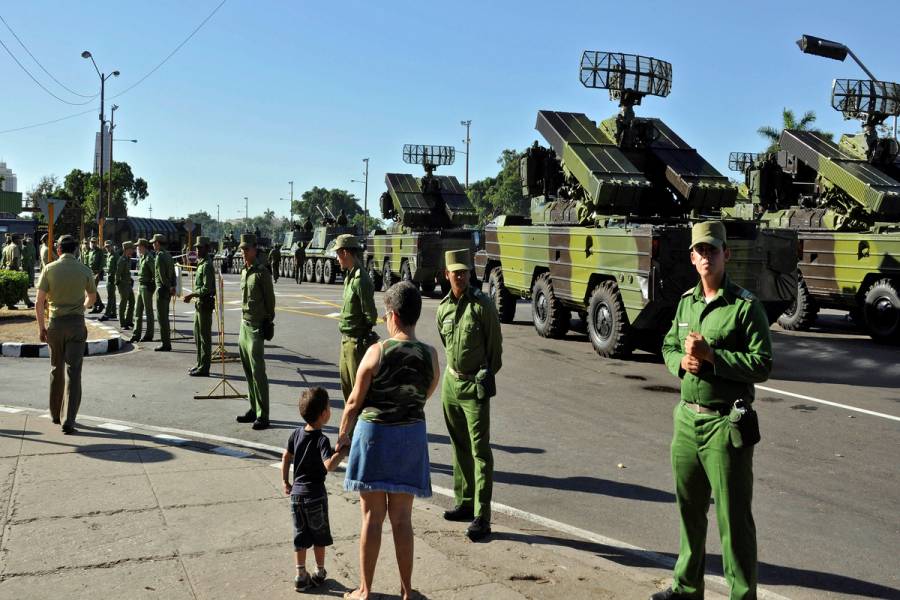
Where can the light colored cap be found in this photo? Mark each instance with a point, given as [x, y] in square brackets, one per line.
[248, 240]
[457, 260]
[709, 232]
[158, 237]
[348, 241]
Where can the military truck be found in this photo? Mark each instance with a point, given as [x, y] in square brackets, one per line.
[611, 211]
[290, 244]
[430, 215]
[844, 200]
[321, 259]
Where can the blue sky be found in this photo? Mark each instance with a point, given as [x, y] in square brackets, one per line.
[272, 91]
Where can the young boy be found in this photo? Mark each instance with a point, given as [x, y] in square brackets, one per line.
[311, 455]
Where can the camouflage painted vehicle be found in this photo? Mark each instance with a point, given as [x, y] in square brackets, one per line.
[321, 260]
[844, 200]
[290, 243]
[611, 212]
[431, 215]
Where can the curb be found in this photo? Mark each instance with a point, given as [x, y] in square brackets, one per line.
[91, 348]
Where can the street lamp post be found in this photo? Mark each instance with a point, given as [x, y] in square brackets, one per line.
[292, 202]
[468, 140]
[103, 77]
[246, 212]
[365, 183]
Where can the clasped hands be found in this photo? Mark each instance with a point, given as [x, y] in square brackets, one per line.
[696, 350]
[343, 443]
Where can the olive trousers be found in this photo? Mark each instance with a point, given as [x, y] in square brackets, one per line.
[66, 338]
[203, 337]
[163, 299]
[706, 464]
[251, 346]
[144, 309]
[126, 304]
[469, 426]
[352, 351]
[110, 300]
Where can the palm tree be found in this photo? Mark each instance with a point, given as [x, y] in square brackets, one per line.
[789, 121]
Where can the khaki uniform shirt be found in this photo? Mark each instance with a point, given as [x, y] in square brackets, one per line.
[65, 282]
[145, 270]
[257, 293]
[358, 314]
[470, 331]
[12, 257]
[123, 272]
[164, 270]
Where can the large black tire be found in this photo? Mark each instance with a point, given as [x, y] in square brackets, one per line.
[504, 302]
[881, 312]
[309, 270]
[551, 318]
[387, 278]
[608, 327]
[328, 271]
[406, 273]
[374, 275]
[802, 313]
[320, 271]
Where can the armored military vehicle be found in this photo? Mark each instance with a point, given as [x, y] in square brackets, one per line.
[292, 242]
[430, 215]
[321, 259]
[844, 200]
[611, 211]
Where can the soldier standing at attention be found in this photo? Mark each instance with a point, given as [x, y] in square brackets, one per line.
[12, 260]
[146, 287]
[28, 259]
[124, 285]
[257, 326]
[470, 331]
[45, 252]
[274, 261]
[358, 313]
[164, 277]
[719, 346]
[96, 261]
[111, 262]
[204, 292]
[67, 286]
[85, 253]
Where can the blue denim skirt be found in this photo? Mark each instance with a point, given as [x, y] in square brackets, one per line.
[389, 458]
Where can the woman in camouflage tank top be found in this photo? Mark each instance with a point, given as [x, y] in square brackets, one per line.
[388, 463]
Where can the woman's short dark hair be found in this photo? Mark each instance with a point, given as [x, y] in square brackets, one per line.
[68, 247]
[404, 300]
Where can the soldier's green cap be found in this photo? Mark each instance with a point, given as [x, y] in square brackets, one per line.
[93, 240]
[65, 239]
[457, 260]
[158, 237]
[708, 232]
[107, 243]
[201, 241]
[127, 245]
[143, 242]
[248, 240]
[348, 241]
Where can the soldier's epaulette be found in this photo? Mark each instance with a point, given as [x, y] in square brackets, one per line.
[688, 292]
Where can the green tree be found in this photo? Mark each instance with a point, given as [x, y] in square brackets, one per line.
[125, 187]
[44, 188]
[789, 121]
[502, 194]
[320, 198]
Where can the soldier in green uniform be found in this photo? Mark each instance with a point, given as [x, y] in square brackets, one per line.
[146, 287]
[85, 253]
[274, 261]
[299, 262]
[204, 294]
[358, 313]
[96, 261]
[12, 260]
[45, 252]
[719, 347]
[28, 259]
[66, 288]
[164, 277]
[124, 285]
[470, 331]
[257, 325]
[111, 261]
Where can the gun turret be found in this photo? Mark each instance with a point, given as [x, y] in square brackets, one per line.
[432, 201]
[628, 166]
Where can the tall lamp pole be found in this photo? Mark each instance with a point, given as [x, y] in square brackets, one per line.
[468, 140]
[103, 77]
[365, 183]
[246, 212]
[112, 126]
[292, 202]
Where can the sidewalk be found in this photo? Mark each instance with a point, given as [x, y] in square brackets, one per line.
[137, 514]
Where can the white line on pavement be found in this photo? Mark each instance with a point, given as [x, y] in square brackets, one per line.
[115, 426]
[9, 409]
[174, 439]
[828, 403]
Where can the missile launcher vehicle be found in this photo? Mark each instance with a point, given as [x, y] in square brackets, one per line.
[611, 212]
[429, 215]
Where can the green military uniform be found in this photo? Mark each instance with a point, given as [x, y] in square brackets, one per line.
[358, 317]
[704, 461]
[12, 261]
[124, 286]
[85, 253]
[470, 331]
[45, 255]
[164, 277]
[112, 259]
[274, 260]
[146, 287]
[28, 260]
[96, 261]
[65, 282]
[204, 304]
[258, 312]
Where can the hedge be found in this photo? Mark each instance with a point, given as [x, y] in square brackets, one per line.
[13, 286]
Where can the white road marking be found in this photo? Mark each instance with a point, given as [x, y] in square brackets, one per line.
[334, 314]
[174, 439]
[9, 409]
[238, 308]
[115, 426]
[828, 403]
[45, 416]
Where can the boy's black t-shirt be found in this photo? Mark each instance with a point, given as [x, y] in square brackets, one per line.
[309, 448]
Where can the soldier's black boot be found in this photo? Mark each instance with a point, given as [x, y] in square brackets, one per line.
[459, 513]
[163, 348]
[479, 529]
[247, 417]
[668, 594]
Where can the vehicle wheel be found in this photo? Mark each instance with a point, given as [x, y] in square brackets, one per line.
[406, 273]
[802, 312]
[504, 302]
[374, 275]
[551, 318]
[309, 270]
[608, 326]
[320, 271]
[328, 271]
[881, 312]
[387, 278]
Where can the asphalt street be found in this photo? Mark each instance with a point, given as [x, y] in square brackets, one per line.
[584, 440]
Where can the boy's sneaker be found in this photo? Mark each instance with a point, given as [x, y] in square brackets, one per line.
[303, 582]
[318, 578]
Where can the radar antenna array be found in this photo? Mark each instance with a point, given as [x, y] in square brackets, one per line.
[428, 156]
[866, 99]
[741, 161]
[628, 77]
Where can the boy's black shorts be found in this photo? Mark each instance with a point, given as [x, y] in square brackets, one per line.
[311, 526]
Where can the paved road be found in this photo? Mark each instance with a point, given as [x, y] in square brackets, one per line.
[827, 485]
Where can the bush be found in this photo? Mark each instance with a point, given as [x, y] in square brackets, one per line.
[13, 286]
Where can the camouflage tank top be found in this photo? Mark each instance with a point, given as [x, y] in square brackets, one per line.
[398, 392]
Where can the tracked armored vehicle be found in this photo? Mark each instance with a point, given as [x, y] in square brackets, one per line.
[430, 215]
[293, 245]
[844, 201]
[611, 211]
[321, 259]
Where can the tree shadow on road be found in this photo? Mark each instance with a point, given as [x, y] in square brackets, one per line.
[437, 438]
[855, 361]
